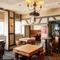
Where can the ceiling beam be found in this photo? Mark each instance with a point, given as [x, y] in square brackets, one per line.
[54, 18]
[47, 19]
[40, 20]
[27, 22]
[41, 17]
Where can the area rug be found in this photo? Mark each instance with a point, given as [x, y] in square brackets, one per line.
[55, 56]
[9, 55]
[8, 59]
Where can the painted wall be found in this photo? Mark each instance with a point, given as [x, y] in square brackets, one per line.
[17, 37]
[6, 29]
[3, 38]
[27, 31]
[1, 15]
[49, 12]
[4, 17]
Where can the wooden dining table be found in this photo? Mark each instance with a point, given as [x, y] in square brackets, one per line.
[25, 40]
[26, 50]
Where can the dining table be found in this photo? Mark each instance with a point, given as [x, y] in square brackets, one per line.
[26, 50]
[26, 39]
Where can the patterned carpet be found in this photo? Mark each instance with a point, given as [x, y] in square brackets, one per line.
[9, 55]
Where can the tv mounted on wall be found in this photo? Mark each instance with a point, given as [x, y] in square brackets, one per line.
[56, 26]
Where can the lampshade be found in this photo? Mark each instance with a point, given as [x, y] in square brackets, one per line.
[28, 2]
[34, 4]
[41, 3]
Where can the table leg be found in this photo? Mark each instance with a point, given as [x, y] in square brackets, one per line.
[28, 58]
[1, 57]
[47, 47]
[38, 55]
[16, 56]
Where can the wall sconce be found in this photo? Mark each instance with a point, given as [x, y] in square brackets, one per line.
[11, 24]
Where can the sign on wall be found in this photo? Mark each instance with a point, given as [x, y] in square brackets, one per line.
[44, 30]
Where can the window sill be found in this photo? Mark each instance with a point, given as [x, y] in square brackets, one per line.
[18, 35]
[2, 35]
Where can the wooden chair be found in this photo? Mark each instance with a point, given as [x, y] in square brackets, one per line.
[42, 55]
[2, 44]
[18, 43]
[31, 42]
[55, 47]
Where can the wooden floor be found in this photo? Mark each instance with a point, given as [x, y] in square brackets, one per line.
[55, 56]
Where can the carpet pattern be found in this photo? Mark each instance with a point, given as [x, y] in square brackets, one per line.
[9, 55]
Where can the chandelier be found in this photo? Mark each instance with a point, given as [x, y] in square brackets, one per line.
[33, 4]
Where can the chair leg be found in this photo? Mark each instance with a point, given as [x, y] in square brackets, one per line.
[1, 57]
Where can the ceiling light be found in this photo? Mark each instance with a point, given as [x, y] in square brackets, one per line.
[34, 4]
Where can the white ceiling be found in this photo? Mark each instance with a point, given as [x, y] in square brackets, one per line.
[19, 6]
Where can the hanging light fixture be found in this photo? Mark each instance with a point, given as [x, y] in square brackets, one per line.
[34, 4]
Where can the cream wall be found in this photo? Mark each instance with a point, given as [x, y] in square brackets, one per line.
[4, 17]
[3, 38]
[1, 15]
[17, 37]
[27, 31]
[49, 12]
[6, 29]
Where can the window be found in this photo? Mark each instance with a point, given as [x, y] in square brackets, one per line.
[37, 27]
[23, 29]
[17, 27]
[1, 28]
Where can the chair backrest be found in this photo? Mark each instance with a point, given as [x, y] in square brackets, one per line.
[42, 55]
[18, 42]
[2, 44]
[31, 42]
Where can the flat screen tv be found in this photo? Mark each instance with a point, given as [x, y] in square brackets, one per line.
[56, 26]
